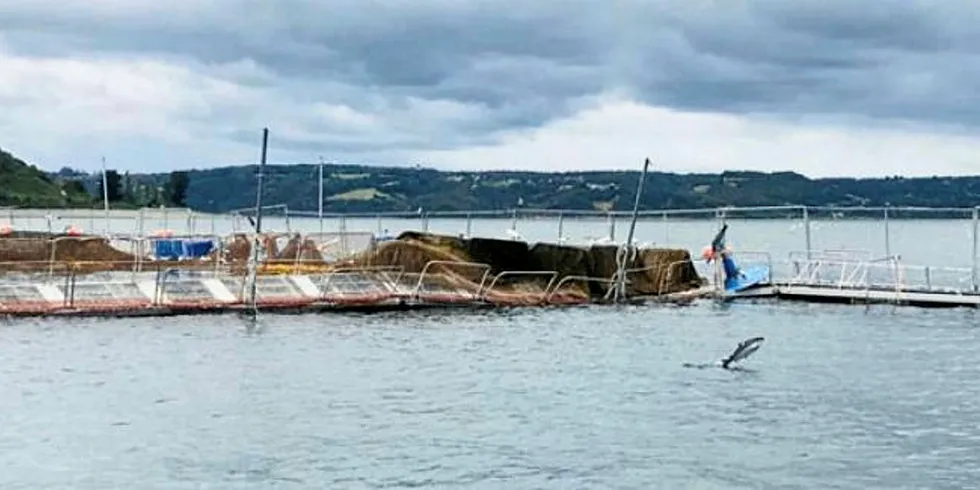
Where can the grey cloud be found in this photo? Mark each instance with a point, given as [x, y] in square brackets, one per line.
[521, 64]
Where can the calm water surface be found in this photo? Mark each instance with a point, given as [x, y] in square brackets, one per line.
[839, 397]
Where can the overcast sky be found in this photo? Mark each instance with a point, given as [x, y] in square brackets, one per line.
[823, 87]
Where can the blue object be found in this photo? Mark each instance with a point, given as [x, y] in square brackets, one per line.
[167, 249]
[746, 278]
[197, 248]
[182, 249]
[731, 270]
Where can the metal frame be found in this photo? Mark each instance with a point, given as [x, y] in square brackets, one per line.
[416, 293]
[485, 291]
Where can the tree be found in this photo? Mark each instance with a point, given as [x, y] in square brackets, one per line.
[114, 181]
[177, 188]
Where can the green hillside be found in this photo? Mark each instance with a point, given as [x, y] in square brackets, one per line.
[364, 188]
[23, 185]
[369, 188]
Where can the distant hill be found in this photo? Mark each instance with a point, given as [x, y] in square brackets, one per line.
[23, 185]
[367, 188]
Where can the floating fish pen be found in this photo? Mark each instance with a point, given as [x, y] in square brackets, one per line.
[91, 275]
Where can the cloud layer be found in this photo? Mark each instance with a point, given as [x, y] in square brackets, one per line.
[825, 88]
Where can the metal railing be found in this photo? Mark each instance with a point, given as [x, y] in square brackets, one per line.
[882, 274]
[72, 286]
[809, 218]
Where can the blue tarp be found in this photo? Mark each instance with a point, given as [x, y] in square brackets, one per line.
[182, 249]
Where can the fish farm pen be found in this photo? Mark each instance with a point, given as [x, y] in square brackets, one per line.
[352, 262]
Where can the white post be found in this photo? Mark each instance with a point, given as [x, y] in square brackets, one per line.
[976, 248]
[319, 200]
[806, 229]
[561, 227]
[105, 196]
[888, 239]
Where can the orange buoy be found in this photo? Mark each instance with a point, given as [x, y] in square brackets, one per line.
[73, 230]
[6, 230]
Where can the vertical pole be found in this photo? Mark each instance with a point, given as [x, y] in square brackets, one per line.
[513, 219]
[105, 195]
[806, 230]
[719, 273]
[319, 200]
[666, 229]
[469, 225]
[253, 286]
[620, 289]
[260, 177]
[976, 248]
[612, 227]
[561, 227]
[343, 235]
[888, 238]
[141, 240]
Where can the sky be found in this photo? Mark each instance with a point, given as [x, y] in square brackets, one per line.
[823, 87]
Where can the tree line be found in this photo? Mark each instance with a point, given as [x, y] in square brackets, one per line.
[123, 189]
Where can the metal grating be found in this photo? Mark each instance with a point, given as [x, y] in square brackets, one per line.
[13, 293]
[265, 287]
[354, 283]
[234, 285]
[96, 291]
[187, 289]
[277, 286]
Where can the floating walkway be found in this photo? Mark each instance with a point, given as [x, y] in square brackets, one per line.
[832, 278]
[176, 291]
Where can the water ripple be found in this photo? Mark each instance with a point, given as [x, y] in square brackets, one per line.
[840, 397]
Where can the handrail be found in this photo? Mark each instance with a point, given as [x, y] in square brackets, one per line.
[896, 275]
[567, 279]
[554, 276]
[418, 287]
[369, 269]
